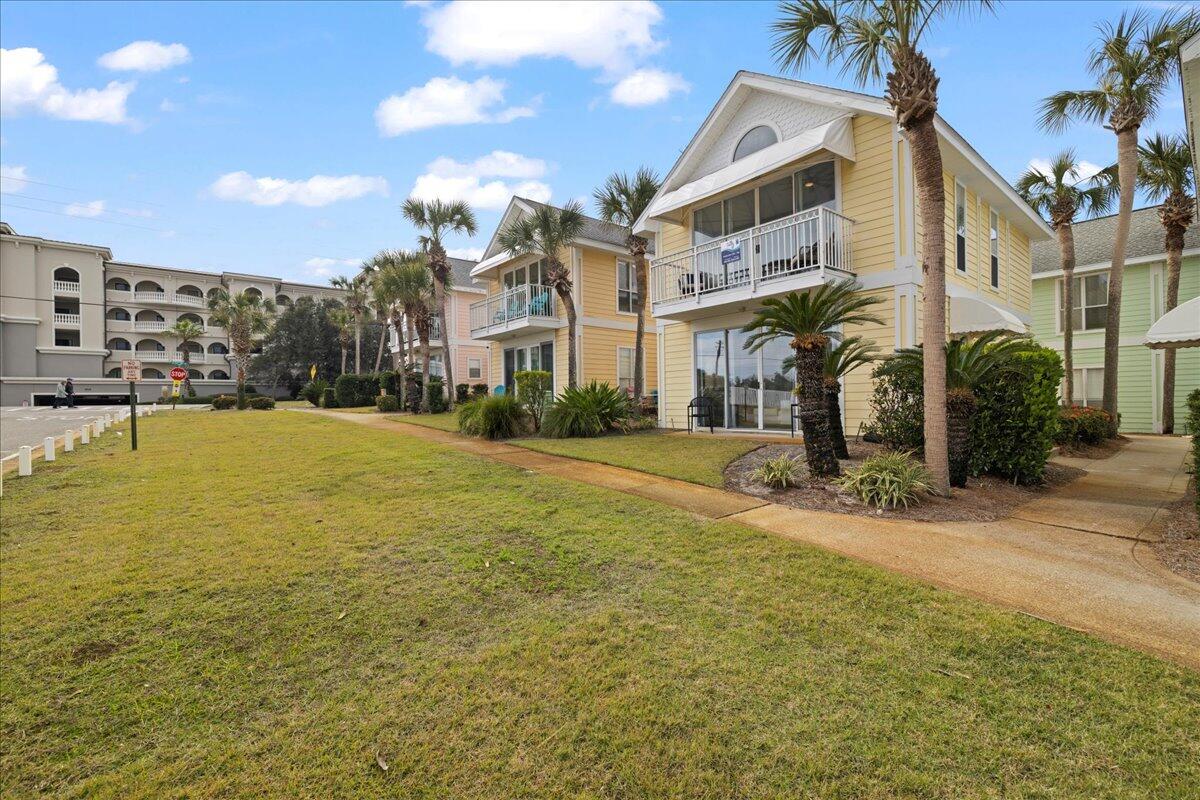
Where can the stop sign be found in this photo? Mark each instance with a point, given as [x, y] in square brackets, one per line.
[178, 373]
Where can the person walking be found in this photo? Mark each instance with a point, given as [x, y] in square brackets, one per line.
[70, 390]
[60, 395]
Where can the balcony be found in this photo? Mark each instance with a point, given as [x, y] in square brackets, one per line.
[790, 254]
[435, 334]
[152, 355]
[156, 298]
[69, 288]
[149, 326]
[522, 309]
[67, 321]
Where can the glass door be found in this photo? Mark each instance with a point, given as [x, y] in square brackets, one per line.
[510, 367]
[745, 394]
[710, 372]
[778, 385]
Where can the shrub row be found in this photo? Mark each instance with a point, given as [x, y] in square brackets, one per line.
[1082, 425]
[260, 402]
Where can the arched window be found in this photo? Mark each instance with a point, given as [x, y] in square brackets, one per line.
[148, 286]
[189, 290]
[118, 343]
[213, 292]
[192, 347]
[218, 375]
[149, 315]
[191, 318]
[283, 300]
[151, 372]
[195, 374]
[218, 349]
[117, 313]
[115, 372]
[150, 346]
[117, 284]
[66, 274]
[254, 292]
[754, 140]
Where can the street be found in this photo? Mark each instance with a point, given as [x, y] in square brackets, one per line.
[29, 426]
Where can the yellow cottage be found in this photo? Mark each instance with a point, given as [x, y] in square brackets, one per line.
[788, 185]
[525, 322]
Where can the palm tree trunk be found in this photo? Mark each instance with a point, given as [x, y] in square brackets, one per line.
[1066, 246]
[927, 169]
[412, 356]
[1174, 260]
[960, 405]
[814, 409]
[423, 332]
[564, 293]
[344, 354]
[357, 346]
[187, 381]
[439, 298]
[1127, 177]
[639, 337]
[379, 352]
[399, 365]
[834, 407]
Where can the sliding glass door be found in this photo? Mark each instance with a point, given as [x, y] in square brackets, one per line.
[750, 391]
[744, 384]
[710, 372]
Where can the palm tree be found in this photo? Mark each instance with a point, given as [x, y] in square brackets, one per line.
[245, 316]
[1059, 196]
[549, 231]
[357, 303]
[842, 359]
[187, 332]
[1133, 63]
[401, 284]
[879, 40]
[968, 363]
[410, 281]
[437, 219]
[1165, 171]
[622, 200]
[808, 320]
[343, 320]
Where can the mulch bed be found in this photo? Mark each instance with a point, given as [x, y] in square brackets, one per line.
[983, 500]
[1106, 449]
[1180, 548]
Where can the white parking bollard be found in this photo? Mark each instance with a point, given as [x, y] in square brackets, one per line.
[69, 441]
[25, 461]
[97, 428]
[108, 420]
[48, 448]
[85, 434]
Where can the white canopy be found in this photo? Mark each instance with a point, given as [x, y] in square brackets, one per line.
[1179, 327]
[970, 315]
[835, 136]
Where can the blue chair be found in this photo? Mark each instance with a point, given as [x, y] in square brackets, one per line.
[540, 305]
[499, 390]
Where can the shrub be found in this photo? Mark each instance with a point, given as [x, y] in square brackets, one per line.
[387, 403]
[329, 398]
[888, 479]
[533, 387]
[387, 383]
[200, 400]
[313, 390]
[586, 411]
[355, 391]
[1193, 423]
[437, 398]
[262, 403]
[461, 392]
[497, 417]
[223, 401]
[1082, 425]
[1016, 416]
[479, 390]
[413, 382]
[779, 472]
[897, 415]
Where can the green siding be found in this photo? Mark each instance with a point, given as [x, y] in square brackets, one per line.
[1140, 379]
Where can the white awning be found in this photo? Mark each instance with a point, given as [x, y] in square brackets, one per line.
[970, 315]
[836, 136]
[1179, 327]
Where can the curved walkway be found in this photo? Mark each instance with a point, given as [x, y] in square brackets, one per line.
[1075, 558]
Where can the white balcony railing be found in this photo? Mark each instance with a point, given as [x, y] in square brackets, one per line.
[152, 355]
[149, 325]
[192, 300]
[159, 298]
[67, 320]
[66, 287]
[513, 305]
[435, 333]
[817, 239]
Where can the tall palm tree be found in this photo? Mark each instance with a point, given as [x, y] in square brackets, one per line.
[357, 303]
[1133, 62]
[840, 360]
[187, 332]
[412, 285]
[401, 284]
[245, 316]
[1059, 196]
[622, 200]
[1165, 172]
[343, 320]
[876, 41]
[808, 320]
[968, 363]
[550, 231]
[438, 219]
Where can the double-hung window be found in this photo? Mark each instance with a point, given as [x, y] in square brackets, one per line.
[994, 235]
[960, 227]
[627, 295]
[474, 368]
[1087, 386]
[625, 369]
[1089, 303]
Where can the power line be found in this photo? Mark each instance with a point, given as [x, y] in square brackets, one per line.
[17, 179]
[52, 200]
[89, 219]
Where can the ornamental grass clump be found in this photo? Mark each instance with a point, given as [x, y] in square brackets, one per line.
[779, 472]
[888, 480]
[496, 417]
[591, 410]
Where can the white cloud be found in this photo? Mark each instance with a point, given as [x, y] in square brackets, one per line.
[29, 83]
[145, 56]
[168, 106]
[321, 267]
[13, 179]
[646, 87]
[93, 209]
[594, 35]
[446, 101]
[478, 182]
[1086, 169]
[319, 190]
[469, 253]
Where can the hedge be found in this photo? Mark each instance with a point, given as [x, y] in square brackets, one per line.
[437, 400]
[387, 403]
[223, 402]
[262, 403]
[355, 391]
[329, 398]
[1082, 425]
[1016, 417]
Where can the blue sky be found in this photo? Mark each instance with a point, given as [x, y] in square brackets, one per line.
[202, 146]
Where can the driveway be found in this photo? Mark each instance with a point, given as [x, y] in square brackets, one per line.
[21, 426]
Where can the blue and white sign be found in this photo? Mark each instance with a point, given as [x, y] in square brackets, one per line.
[731, 251]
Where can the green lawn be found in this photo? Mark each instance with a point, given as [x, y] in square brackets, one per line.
[261, 604]
[689, 458]
[447, 421]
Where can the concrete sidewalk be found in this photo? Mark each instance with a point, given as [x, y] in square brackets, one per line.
[1076, 558]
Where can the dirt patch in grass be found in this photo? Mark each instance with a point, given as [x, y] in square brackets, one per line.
[1180, 547]
[983, 500]
[1106, 449]
[93, 651]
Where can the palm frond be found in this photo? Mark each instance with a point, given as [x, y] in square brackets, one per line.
[818, 312]
[1165, 166]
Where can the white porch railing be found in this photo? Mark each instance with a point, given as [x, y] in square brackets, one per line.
[190, 300]
[66, 287]
[152, 355]
[816, 239]
[435, 333]
[518, 303]
[68, 320]
[149, 325]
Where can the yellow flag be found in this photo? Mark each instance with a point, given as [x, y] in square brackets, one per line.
[312, 372]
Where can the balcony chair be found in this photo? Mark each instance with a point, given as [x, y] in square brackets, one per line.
[700, 413]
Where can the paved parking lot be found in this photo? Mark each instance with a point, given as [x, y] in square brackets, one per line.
[29, 426]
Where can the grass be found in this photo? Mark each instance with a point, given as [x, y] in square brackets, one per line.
[446, 421]
[695, 459]
[212, 617]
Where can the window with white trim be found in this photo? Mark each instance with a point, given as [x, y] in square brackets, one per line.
[474, 369]
[625, 368]
[994, 235]
[960, 227]
[1087, 386]
[1089, 303]
[810, 187]
[626, 287]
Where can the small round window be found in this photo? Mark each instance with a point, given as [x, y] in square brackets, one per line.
[754, 140]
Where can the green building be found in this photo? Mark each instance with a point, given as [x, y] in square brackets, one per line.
[1139, 396]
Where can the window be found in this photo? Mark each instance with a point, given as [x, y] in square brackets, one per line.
[754, 140]
[627, 295]
[994, 235]
[538, 356]
[474, 369]
[775, 200]
[625, 369]
[1087, 385]
[811, 187]
[532, 274]
[815, 186]
[1089, 303]
[750, 390]
[960, 227]
[115, 372]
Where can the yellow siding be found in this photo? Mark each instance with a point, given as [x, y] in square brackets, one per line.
[677, 373]
[598, 285]
[857, 385]
[868, 195]
[600, 354]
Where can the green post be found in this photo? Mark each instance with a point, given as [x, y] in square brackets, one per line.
[133, 415]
